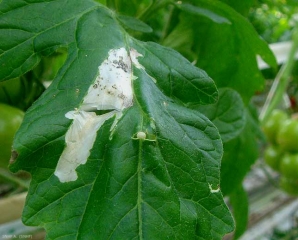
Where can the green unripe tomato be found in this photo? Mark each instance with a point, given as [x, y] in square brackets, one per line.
[272, 126]
[289, 185]
[287, 136]
[272, 156]
[289, 165]
[10, 120]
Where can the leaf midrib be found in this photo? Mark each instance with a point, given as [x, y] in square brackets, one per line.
[140, 199]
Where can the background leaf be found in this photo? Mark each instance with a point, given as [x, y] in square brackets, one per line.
[238, 163]
[134, 24]
[129, 8]
[202, 12]
[231, 63]
[239, 202]
[242, 7]
[228, 114]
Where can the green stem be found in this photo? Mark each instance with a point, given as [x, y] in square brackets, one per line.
[166, 28]
[281, 81]
[12, 178]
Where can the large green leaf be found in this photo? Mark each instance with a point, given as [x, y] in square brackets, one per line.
[113, 150]
[232, 63]
[227, 114]
[239, 155]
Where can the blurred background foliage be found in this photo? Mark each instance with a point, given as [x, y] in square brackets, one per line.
[274, 20]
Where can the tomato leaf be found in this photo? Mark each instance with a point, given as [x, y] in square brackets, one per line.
[233, 62]
[134, 24]
[188, 8]
[113, 149]
[227, 114]
[239, 155]
[129, 8]
[242, 7]
[239, 202]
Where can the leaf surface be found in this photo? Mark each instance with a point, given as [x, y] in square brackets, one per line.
[242, 7]
[238, 163]
[113, 149]
[232, 63]
[134, 24]
[239, 201]
[227, 114]
[202, 12]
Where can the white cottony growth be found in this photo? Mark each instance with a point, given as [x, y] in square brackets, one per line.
[79, 140]
[112, 90]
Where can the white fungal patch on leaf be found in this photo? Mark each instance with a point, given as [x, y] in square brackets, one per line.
[111, 90]
[79, 140]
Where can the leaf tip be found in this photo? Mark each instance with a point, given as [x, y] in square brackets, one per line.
[13, 157]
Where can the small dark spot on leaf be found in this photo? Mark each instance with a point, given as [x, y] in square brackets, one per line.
[110, 92]
[121, 96]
